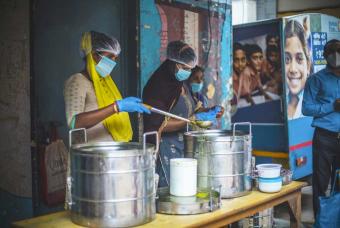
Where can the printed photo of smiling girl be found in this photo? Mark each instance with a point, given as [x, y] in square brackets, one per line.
[297, 67]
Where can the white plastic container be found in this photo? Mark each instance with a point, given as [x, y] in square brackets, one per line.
[270, 185]
[183, 177]
[269, 170]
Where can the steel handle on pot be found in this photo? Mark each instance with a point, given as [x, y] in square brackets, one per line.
[68, 195]
[144, 140]
[242, 123]
[156, 178]
[70, 133]
[157, 149]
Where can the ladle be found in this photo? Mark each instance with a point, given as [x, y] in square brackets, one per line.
[200, 124]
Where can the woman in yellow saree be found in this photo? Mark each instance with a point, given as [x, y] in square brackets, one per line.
[92, 99]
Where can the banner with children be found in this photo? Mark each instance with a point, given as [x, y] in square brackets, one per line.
[257, 67]
[257, 73]
[298, 62]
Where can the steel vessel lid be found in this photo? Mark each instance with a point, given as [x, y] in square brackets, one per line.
[112, 149]
[217, 134]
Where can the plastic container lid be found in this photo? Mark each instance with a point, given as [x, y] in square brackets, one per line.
[183, 162]
[269, 166]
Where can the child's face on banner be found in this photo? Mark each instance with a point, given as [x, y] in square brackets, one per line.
[296, 65]
[239, 61]
[256, 60]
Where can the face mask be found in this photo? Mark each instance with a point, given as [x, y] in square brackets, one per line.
[196, 87]
[105, 66]
[182, 75]
[334, 60]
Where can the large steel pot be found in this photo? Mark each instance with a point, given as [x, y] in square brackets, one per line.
[224, 159]
[112, 184]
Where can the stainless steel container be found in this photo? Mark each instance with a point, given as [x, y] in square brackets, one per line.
[262, 219]
[224, 159]
[112, 184]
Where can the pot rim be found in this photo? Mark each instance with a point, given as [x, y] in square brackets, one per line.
[112, 149]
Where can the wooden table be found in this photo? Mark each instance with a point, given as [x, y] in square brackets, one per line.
[231, 211]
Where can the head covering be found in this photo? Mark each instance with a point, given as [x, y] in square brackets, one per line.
[161, 91]
[181, 52]
[330, 46]
[99, 43]
[106, 90]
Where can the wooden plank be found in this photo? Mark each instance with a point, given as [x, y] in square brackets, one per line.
[232, 210]
[294, 206]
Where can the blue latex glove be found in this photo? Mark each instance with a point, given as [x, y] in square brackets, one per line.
[216, 109]
[206, 116]
[132, 104]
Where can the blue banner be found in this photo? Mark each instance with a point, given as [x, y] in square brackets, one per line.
[319, 40]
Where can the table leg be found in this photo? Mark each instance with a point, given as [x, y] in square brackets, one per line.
[294, 206]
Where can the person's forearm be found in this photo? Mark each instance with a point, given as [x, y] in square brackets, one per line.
[174, 125]
[310, 104]
[91, 118]
[315, 109]
[264, 93]
[249, 99]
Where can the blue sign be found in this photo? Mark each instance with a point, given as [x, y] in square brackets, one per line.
[334, 26]
[319, 39]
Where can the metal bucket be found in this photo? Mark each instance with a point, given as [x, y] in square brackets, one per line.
[224, 159]
[112, 184]
[263, 219]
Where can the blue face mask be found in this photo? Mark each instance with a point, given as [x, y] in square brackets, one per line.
[196, 87]
[182, 75]
[105, 66]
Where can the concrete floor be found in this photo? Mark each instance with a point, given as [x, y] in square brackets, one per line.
[281, 215]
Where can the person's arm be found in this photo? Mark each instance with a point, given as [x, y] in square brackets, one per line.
[75, 96]
[91, 118]
[310, 105]
[260, 87]
[249, 99]
[245, 87]
[174, 125]
[262, 91]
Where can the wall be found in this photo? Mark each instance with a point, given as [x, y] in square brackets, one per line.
[14, 98]
[57, 31]
[334, 11]
[293, 5]
[57, 28]
[15, 155]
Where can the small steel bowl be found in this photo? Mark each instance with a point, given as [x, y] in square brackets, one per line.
[203, 124]
[286, 175]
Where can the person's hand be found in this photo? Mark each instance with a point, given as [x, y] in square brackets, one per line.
[219, 110]
[132, 104]
[206, 116]
[336, 105]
